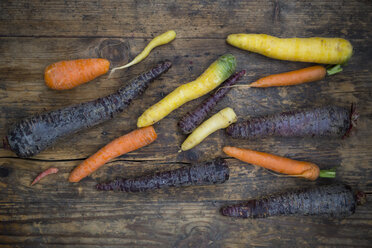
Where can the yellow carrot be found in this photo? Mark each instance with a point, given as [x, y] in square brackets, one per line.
[216, 73]
[218, 121]
[314, 49]
[157, 41]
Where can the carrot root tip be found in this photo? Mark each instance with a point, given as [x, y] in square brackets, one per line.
[110, 74]
[361, 198]
[6, 143]
[354, 115]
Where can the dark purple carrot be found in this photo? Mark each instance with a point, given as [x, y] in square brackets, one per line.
[32, 135]
[323, 121]
[194, 118]
[213, 172]
[336, 200]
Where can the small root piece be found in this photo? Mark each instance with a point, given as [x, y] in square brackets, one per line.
[43, 174]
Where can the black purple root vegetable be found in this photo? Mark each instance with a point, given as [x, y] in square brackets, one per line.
[332, 121]
[213, 172]
[32, 135]
[336, 200]
[194, 118]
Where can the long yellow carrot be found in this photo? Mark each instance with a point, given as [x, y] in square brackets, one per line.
[216, 73]
[157, 41]
[314, 49]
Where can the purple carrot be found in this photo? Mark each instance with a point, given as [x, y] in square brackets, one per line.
[195, 117]
[336, 201]
[329, 121]
[34, 134]
[213, 172]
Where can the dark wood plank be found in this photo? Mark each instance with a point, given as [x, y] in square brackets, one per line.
[203, 19]
[55, 213]
[179, 225]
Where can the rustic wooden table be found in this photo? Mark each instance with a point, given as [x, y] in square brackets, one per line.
[56, 213]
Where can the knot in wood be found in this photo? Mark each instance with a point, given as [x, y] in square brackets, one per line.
[114, 50]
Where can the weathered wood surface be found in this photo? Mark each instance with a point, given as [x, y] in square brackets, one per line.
[55, 213]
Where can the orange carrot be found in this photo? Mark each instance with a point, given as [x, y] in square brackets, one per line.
[279, 164]
[301, 76]
[68, 74]
[44, 174]
[124, 144]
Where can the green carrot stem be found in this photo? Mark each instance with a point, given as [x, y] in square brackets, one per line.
[334, 69]
[327, 173]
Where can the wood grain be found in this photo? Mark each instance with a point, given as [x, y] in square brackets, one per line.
[55, 213]
[191, 19]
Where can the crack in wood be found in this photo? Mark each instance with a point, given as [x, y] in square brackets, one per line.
[81, 159]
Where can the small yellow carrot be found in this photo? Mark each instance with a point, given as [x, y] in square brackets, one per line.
[157, 41]
[314, 49]
[216, 73]
[218, 121]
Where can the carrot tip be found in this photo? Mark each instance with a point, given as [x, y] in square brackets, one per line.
[6, 143]
[361, 198]
[110, 74]
[354, 115]
[45, 173]
[72, 180]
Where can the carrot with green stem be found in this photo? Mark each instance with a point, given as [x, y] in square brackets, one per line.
[216, 73]
[279, 164]
[305, 75]
[124, 144]
[159, 40]
[314, 49]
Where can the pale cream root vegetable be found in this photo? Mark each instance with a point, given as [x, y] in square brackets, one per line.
[159, 40]
[313, 49]
[216, 73]
[218, 121]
